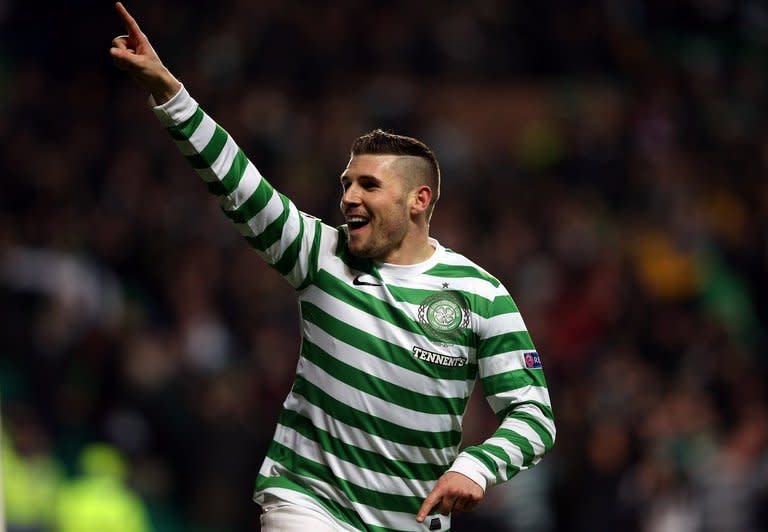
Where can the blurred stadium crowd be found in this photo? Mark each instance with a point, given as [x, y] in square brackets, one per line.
[606, 160]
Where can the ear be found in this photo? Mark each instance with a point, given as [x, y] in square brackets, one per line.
[421, 196]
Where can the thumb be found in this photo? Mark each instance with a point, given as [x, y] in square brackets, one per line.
[122, 55]
[124, 58]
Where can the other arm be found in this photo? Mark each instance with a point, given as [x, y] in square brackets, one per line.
[513, 381]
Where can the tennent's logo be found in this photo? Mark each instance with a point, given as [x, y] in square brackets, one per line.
[437, 358]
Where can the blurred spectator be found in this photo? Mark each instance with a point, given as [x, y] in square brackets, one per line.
[607, 159]
[98, 500]
[31, 476]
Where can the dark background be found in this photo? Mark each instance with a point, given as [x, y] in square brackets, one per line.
[606, 160]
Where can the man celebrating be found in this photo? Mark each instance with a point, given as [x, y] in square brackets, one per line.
[395, 329]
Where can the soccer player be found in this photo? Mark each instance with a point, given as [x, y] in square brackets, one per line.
[396, 329]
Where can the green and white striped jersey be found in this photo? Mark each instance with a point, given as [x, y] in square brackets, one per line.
[388, 360]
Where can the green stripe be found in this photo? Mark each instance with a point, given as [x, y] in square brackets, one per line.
[338, 511]
[291, 254]
[382, 388]
[489, 463]
[253, 205]
[273, 231]
[503, 304]
[546, 410]
[231, 180]
[504, 343]
[361, 457]
[184, 130]
[236, 172]
[313, 257]
[211, 152]
[374, 346]
[454, 271]
[373, 425]
[537, 427]
[520, 441]
[305, 467]
[381, 310]
[512, 380]
[416, 296]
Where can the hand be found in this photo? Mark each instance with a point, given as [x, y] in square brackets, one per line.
[453, 492]
[134, 54]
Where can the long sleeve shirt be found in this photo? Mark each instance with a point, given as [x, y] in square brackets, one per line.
[388, 360]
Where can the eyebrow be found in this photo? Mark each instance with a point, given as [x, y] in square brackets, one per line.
[365, 177]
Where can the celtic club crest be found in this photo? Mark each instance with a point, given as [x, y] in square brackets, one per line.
[444, 314]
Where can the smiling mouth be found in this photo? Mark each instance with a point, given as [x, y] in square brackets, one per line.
[357, 222]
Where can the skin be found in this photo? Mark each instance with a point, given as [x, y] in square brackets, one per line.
[377, 187]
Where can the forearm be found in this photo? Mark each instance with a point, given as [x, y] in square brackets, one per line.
[268, 220]
[513, 381]
[519, 443]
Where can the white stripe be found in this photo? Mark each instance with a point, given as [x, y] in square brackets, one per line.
[470, 285]
[301, 269]
[350, 471]
[502, 363]
[368, 514]
[408, 379]
[303, 501]
[383, 329]
[199, 138]
[360, 400]
[208, 175]
[271, 212]
[512, 452]
[223, 162]
[522, 428]
[244, 190]
[534, 411]
[395, 520]
[291, 230]
[270, 468]
[500, 401]
[503, 324]
[359, 438]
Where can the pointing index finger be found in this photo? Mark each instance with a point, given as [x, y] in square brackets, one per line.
[429, 504]
[130, 23]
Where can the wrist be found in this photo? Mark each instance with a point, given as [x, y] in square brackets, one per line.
[166, 88]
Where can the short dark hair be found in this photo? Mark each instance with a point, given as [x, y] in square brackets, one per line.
[380, 142]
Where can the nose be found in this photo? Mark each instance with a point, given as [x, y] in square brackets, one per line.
[350, 196]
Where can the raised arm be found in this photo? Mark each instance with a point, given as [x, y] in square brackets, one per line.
[270, 222]
[134, 54]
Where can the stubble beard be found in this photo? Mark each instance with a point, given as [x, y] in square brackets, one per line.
[378, 244]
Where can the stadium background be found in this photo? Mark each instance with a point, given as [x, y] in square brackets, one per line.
[606, 160]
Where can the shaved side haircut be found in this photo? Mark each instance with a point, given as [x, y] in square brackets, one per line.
[418, 164]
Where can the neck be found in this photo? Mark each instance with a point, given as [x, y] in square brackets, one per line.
[413, 249]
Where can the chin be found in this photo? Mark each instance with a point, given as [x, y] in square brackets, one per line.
[360, 251]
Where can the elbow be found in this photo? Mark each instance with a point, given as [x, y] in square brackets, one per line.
[551, 442]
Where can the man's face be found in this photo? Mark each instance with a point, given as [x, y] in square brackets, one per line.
[375, 205]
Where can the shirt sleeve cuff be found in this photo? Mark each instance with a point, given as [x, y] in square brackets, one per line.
[178, 109]
[470, 468]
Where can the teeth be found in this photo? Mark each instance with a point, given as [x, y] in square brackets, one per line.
[356, 219]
